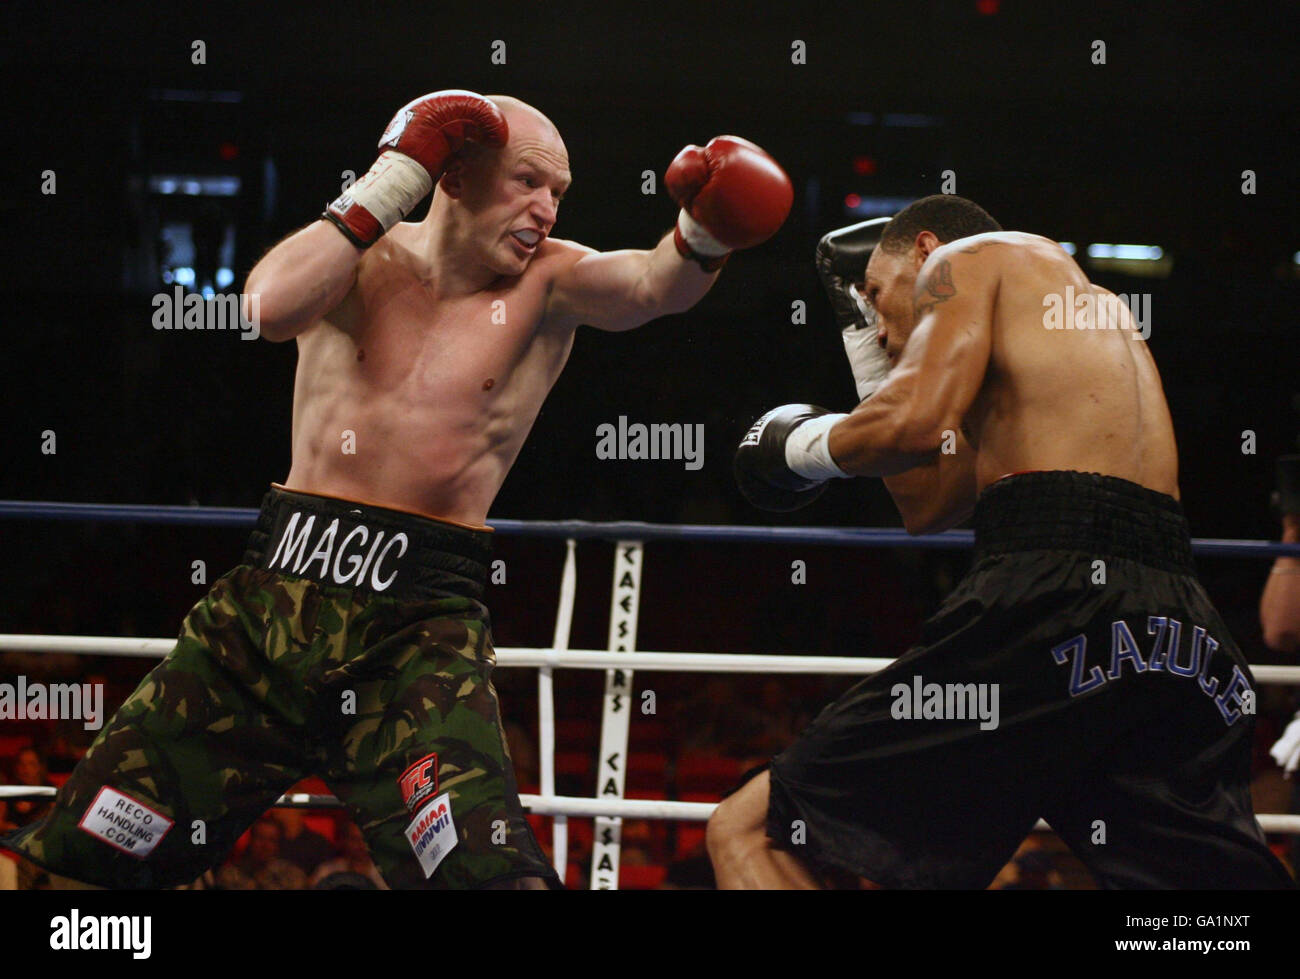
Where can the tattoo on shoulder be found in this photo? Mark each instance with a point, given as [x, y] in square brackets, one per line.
[934, 287]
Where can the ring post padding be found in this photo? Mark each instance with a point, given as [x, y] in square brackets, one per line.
[611, 764]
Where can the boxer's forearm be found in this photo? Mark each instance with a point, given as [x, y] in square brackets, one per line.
[301, 279]
[882, 437]
[1279, 606]
[674, 284]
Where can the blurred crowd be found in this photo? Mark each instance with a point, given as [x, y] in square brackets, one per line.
[711, 731]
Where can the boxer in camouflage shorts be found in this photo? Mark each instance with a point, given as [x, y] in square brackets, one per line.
[351, 642]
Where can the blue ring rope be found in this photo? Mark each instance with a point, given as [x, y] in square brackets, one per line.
[200, 516]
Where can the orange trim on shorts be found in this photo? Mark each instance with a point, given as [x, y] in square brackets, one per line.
[386, 506]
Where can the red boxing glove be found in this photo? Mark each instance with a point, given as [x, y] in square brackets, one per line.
[733, 195]
[420, 141]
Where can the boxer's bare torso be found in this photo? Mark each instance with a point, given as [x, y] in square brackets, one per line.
[981, 387]
[413, 400]
[1083, 399]
[425, 350]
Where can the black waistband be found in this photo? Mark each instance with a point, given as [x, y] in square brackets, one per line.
[356, 545]
[1076, 511]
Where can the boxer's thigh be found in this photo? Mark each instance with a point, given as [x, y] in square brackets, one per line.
[424, 766]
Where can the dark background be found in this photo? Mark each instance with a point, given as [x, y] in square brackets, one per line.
[1148, 148]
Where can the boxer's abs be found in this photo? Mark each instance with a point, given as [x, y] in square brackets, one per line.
[431, 425]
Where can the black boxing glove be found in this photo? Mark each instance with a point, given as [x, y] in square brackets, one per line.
[841, 261]
[1287, 495]
[782, 463]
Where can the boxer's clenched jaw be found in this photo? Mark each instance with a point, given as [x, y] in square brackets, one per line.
[503, 203]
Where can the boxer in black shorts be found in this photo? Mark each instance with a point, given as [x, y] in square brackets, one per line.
[1079, 672]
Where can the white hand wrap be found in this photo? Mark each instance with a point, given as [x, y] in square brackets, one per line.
[389, 190]
[807, 450]
[1287, 750]
[699, 240]
[869, 361]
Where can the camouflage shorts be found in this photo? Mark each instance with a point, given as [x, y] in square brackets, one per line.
[350, 643]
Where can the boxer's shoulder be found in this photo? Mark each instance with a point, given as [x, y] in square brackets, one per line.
[1000, 247]
[556, 258]
[1004, 258]
[558, 255]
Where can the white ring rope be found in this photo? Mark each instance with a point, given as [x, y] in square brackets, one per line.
[564, 805]
[571, 659]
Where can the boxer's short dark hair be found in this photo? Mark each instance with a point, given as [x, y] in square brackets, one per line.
[946, 216]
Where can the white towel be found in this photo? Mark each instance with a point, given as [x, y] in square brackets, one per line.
[1287, 750]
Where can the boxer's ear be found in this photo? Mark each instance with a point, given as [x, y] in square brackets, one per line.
[452, 181]
[926, 243]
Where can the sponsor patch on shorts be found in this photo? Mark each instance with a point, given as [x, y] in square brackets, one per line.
[431, 834]
[419, 782]
[124, 823]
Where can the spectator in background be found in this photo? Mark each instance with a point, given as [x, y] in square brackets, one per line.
[636, 843]
[693, 872]
[523, 754]
[261, 868]
[1279, 606]
[354, 859]
[1279, 617]
[15, 872]
[780, 723]
[301, 845]
[6, 824]
[29, 769]
[716, 717]
[72, 739]
[206, 881]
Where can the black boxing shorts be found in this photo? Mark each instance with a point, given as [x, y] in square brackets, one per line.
[1078, 673]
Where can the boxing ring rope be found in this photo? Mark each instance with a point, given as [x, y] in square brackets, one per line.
[561, 806]
[619, 665]
[571, 659]
[198, 516]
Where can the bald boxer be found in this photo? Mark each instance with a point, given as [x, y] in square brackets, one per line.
[1078, 673]
[351, 641]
